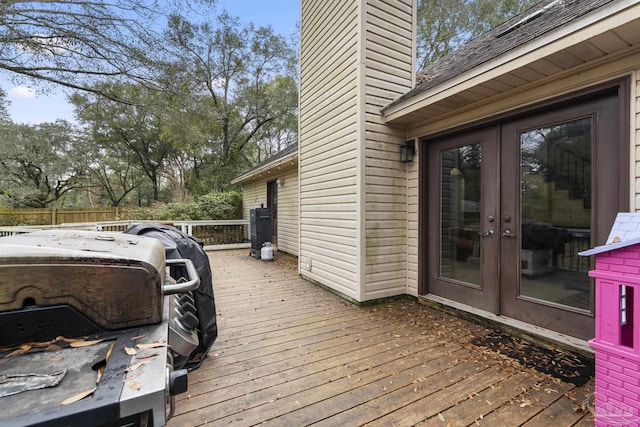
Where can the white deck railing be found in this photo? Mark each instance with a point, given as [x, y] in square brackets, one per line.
[222, 234]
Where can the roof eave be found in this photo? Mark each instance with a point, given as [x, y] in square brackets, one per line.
[599, 21]
[289, 160]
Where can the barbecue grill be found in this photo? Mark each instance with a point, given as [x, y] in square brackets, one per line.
[91, 324]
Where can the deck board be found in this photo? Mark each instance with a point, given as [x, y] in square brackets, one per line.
[292, 353]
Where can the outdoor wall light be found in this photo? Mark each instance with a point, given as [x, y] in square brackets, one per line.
[407, 151]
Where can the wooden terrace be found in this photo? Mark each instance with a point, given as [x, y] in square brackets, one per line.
[290, 353]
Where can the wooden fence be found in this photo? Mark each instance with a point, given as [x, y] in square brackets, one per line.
[55, 216]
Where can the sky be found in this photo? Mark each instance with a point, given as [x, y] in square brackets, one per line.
[26, 106]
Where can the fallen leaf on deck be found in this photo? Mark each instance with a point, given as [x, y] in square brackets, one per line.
[130, 351]
[441, 417]
[79, 396]
[137, 337]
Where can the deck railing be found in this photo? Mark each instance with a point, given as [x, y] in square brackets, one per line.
[222, 234]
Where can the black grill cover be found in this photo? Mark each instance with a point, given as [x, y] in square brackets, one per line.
[179, 245]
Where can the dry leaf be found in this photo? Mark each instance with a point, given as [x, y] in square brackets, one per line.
[22, 350]
[130, 351]
[147, 356]
[137, 337]
[441, 417]
[132, 375]
[150, 345]
[136, 366]
[52, 347]
[100, 374]
[134, 385]
[110, 351]
[79, 396]
[69, 340]
[77, 344]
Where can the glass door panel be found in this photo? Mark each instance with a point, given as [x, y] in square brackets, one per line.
[555, 182]
[463, 199]
[460, 201]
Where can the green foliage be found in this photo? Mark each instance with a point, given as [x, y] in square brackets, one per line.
[40, 164]
[221, 205]
[212, 206]
[242, 79]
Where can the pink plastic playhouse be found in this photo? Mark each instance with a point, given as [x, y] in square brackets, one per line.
[617, 341]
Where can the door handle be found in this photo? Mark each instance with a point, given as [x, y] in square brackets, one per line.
[508, 233]
[487, 233]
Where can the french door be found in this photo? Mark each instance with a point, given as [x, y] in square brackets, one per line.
[515, 203]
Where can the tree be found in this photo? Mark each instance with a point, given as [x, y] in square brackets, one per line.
[78, 43]
[132, 132]
[279, 133]
[40, 164]
[444, 25]
[112, 178]
[4, 112]
[229, 68]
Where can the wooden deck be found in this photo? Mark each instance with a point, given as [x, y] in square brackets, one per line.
[290, 353]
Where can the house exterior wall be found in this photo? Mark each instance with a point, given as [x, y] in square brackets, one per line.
[329, 143]
[288, 212]
[356, 56]
[412, 225]
[254, 195]
[388, 52]
[564, 83]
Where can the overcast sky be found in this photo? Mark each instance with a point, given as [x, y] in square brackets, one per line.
[27, 107]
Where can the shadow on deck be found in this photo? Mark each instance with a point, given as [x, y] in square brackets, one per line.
[290, 353]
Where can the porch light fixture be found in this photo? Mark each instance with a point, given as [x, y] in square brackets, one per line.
[407, 151]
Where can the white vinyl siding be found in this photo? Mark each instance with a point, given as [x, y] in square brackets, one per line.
[389, 74]
[288, 212]
[412, 225]
[254, 195]
[356, 57]
[329, 144]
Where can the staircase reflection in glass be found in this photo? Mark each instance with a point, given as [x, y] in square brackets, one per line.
[555, 179]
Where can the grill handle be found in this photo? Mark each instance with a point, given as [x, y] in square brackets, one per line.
[190, 285]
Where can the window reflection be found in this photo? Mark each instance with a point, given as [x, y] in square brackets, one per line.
[460, 201]
[555, 177]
